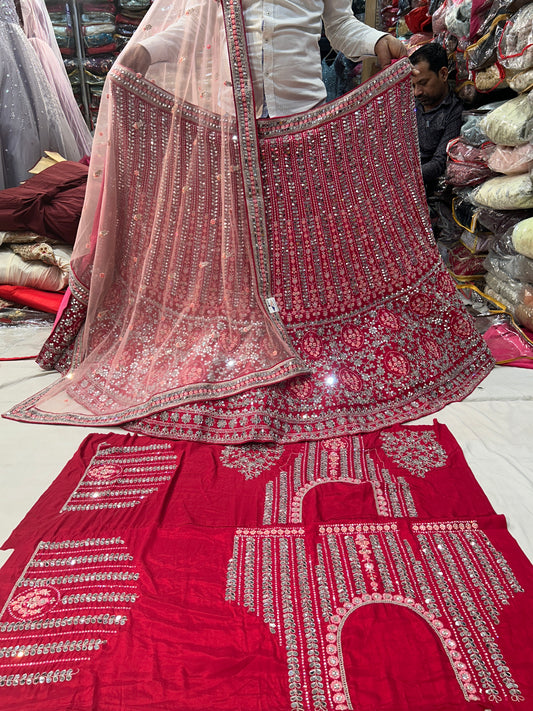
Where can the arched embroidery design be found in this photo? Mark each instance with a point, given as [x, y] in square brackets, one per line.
[336, 460]
[56, 598]
[302, 583]
[336, 670]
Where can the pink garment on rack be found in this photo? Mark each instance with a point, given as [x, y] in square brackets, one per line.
[39, 31]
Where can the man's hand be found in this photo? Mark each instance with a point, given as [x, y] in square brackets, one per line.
[136, 58]
[388, 48]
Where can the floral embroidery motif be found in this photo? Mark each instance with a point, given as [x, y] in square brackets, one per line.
[353, 337]
[311, 345]
[432, 348]
[33, 603]
[300, 388]
[397, 363]
[103, 471]
[351, 380]
[251, 459]
[418, 452]
[336, 443]
[421, 304]
[389, 319]
[462, 326]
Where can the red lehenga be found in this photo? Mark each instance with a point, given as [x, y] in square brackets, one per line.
[239, 280]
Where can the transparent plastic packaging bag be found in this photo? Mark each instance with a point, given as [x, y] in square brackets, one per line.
[509, 290]
[467, 92]
[490, 78]
[465, 264]
[499, 221]
[521, 82]
[471, 130]
[458, 18]
[477, 242]
[511, 160]
[467, 164]
[515, 266]
[515, 49]
[500, 7]
[509, 192]
[508, 344]
[502, 245]
[522, 237]
[510, 124]
[459, 150]
[484, 52]
[466, 174]
[524, 315]
[438, 18]
[480, 8]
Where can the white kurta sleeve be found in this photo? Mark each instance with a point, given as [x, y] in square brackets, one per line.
[346, 33]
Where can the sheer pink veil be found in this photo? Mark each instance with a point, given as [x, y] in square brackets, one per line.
[40, 33]
[169, 244]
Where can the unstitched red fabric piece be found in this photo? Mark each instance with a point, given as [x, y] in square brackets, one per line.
[159, 574]
[286, 627]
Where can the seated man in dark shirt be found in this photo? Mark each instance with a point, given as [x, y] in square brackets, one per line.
[438, 110]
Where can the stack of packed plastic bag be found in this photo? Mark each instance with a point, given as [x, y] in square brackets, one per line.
[509, 263]
[462, 239]
[105, 26]
[129, 17]
[509, 278]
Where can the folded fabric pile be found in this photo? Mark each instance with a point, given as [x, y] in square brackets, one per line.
[61, 18]
[129, 17]
[105, 26]
[38, 223]
[26, 259]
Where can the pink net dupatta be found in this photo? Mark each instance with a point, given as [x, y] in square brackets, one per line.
[207, 219]
[164, 260]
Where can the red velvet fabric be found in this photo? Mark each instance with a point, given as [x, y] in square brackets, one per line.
[181, 576]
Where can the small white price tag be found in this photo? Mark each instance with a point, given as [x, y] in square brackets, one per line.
[272, 305]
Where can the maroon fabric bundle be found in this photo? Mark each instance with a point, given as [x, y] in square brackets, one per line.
[49, 203]
[467, 165]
